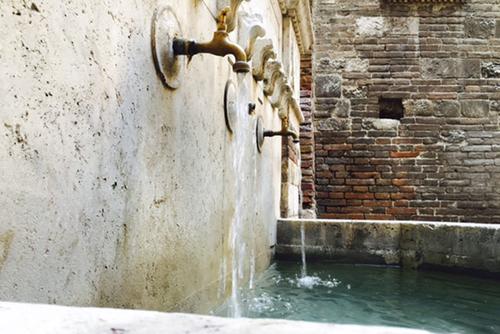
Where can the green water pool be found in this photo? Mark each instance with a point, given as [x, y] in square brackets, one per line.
[382, 296]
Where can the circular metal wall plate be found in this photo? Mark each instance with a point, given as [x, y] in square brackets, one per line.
[230, 105]
[164, 29]
[259, 134]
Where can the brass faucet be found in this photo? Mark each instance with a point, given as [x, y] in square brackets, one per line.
[285, 132]
[218, 46]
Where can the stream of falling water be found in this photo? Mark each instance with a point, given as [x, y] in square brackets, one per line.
[240, 147]
[254, 212]
[302, 226]
[303, 249]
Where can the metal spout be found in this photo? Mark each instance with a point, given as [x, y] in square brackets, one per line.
[220, 45]
[285, 132]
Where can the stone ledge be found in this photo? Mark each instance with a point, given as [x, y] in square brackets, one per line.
[426, 1]
[452, 246]
[300, 13]
[20, 318]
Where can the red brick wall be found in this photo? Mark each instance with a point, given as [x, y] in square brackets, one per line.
[307, 135]
[442, 160]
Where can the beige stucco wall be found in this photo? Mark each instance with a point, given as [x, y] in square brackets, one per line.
[115, 191]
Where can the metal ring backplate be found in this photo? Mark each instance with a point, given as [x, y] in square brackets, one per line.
[165, 28]
[231, 105]
[259, 134]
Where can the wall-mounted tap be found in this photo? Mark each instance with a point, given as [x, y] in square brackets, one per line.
[261, 133]
[218, 46]
[283, 133]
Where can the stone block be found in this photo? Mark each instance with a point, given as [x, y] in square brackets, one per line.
[328, 85]
[371, 26]
[327, 64]
[447, 108]
[418, 107]
[476, 148]
[475, 108]
[342, 109]
[490, 70]
[469, 68]
[354, 92]
[334, 124]
[357, 65]
[479, 27]
[380, 124]
[437, 68]
[404, 25]
[452, 136]
[497, 30]
[313, 234]
[288, 234]
[440, 68]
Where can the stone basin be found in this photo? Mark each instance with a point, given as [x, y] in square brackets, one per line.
[463, 247]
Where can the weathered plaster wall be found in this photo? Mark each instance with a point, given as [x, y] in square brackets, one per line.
[113, 189]
[440, 161]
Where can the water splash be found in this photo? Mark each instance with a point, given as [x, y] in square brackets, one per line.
[310, 282]
[265, 303]
[305, 281]
[270, 292]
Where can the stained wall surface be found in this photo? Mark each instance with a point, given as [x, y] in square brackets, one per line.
[114, 190]
[439, 63]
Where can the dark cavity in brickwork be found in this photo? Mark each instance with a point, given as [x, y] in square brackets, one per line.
[391, 108]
